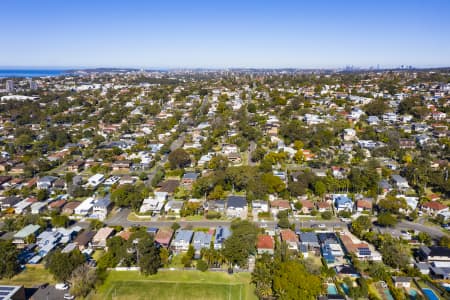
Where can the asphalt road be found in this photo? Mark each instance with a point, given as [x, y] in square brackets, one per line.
[121, 218]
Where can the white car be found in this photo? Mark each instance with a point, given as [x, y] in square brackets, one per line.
[61, 286]
[322, 226]
[68, 296]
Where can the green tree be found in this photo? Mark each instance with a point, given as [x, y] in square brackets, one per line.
[361, 224]
[61, 265]
[179, 158]
[241, 243]
[386, 219]
[60, 221]
[291, 281]
[9, 265]
[149, 259]
[202, 265]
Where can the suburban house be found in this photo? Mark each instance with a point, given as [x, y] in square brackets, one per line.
[342, 203]
[85, 207]
[164, 236]
[45, 182]
[237, 207]
[174, 207]
[154, 205]
[307, 207]
[201, 240]
[290, 238]
[100, 238]
[259, 206]
[83, 240]
[25, 235]
[9, 202]
[38, 207]
[189, 178]
[434, 208]
[69, 207]
[95, 180]
[402, 282]
[434, 253]
[399, 182]
[279, 205]
[222, 233]
[182, 240]
[265, 244]
[309, 239]
[363, 205]
[101, 208]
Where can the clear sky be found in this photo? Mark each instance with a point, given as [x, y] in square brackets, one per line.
[229, 33]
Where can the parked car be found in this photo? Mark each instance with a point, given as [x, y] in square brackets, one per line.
[68, 296]
[61, 286]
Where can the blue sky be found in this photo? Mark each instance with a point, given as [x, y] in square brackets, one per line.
[264, 33]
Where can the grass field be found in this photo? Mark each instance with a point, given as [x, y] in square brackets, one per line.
[31, 276]
[177, 285]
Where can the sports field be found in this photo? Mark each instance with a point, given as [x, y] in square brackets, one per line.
[183, 285]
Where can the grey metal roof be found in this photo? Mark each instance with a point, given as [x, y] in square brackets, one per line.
[236, 201]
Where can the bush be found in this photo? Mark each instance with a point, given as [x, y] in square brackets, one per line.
[327, 215]
[202, 265]
[213, 215]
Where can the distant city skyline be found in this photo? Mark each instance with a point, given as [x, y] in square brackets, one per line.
[231, 34]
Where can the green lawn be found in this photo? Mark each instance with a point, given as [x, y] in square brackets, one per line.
[31, 276]
[183, 285]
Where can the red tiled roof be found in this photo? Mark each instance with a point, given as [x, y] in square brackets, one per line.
[265, 242]
[434, 205]
[364, 204]
[288, 235]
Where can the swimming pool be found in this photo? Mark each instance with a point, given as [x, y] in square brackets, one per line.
[412, 294]
[345, 288]
[430, 294]
[388, 294]
[332, 290]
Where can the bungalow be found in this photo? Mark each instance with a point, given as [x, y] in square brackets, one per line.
[8, 202]
[164, 236]
[96, 179]
[122, 165]
[434, 208]
[83, 240]
[307, 207]
[309, 239]
[25, 235]
[402, 282]
[222, 233]
[169, 186]
[100, 238]
[182, 240]
[45, 182]
[237, 207]
[323, 206]
[363, 205]
[56, 205]
[434, 254]
[259, 206]
[201, 240]
[265, 244]
[290, 238]
[218, 206]
[38, 207]
[174, 207]
[399, 182]
[69, 208]
[189, 178]
[279, 205]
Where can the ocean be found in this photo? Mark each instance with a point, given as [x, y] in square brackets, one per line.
[4, 73]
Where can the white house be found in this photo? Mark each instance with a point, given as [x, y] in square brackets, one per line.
[96, 179]
[85, 207]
